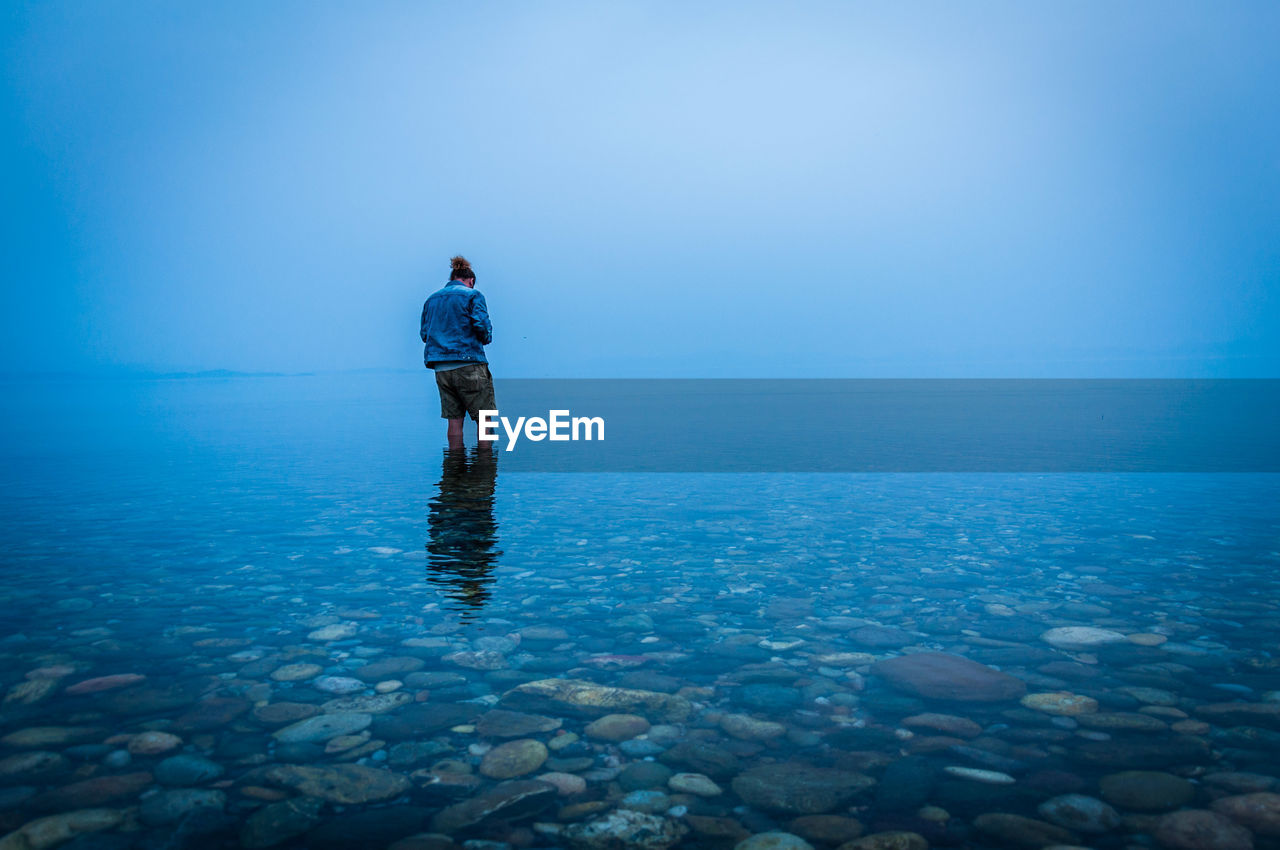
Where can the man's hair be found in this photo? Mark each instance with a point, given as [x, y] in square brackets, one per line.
[461, 269]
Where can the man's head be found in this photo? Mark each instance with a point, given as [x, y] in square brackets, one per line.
[461, 271]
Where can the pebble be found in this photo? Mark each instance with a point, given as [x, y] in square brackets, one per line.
[1081, 637]
[1259, 812]
[187, 769]
[153, 743]
[889, 840]
[323, 727]
[748, 728]
[1146, 790]
[1200, 829]
[58, 829]
[826, 829]
[1080, 813]
[653, 802]
[617, 727]
[106, 683]
[974, 774]
[949, 724]
[296, 672]
[334, 632]
[694, 783]
[172, 806]
[939, 675]
[338, 685]
[625, 828]
[1061, 703]
[514, 758]
[566, 783]
[773, 841]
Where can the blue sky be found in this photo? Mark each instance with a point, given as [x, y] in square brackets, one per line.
[648, 189]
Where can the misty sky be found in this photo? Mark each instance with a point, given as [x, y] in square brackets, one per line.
[646, 189]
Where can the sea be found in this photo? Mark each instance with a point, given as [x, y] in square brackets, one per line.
[280, 611]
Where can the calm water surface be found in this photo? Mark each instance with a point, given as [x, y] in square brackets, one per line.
[277, 612]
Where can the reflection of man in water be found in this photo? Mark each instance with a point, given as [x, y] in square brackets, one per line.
[461, 552]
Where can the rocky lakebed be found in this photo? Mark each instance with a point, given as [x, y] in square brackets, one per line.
[789, 665]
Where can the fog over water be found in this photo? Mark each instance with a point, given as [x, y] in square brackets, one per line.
[719, 190]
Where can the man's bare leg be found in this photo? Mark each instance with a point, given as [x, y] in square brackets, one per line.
[455, 433]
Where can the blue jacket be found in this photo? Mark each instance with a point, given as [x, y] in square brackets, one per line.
[455, 325]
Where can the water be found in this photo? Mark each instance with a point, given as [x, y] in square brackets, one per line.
[266, 549]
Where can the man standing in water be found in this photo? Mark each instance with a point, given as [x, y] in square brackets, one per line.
[456, 328]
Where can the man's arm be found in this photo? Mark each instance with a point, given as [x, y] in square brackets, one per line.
[480, 323]
[423, 332]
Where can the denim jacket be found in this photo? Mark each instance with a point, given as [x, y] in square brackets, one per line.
[455, 325]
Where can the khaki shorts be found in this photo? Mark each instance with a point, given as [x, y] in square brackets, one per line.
[467, 389]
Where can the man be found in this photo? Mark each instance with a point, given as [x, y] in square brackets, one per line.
[456, 328]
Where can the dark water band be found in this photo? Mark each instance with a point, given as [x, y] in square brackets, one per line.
[818, 425]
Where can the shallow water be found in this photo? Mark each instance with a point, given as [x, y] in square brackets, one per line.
[244, 544]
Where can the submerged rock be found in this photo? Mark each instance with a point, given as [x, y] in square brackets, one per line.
[59, 829]
[1022, 831]
[153, 743]
[625, 829]
[774, 841]
[35, 737]
[509, 801]
[583, 698]
[187, 769]
[1259, 812]
[514, 758]
[31, 691]
[1146, 790]
[1266, 714]
[106, 683]
[617, 727]
[799, 789]
[367, 703]
[296, 672]
[1081, 637]
[567, 784]
[38, 766]
[1061, 703]
[340, 685]
[977, 774]
[949, 724]
[890, 840]
[346, 784]
[1150, 752]
[1201, 829]
[1081, 813]
[938, 675]
[698, 757]
[210, 713]
[485, 659]
[694, 783]
[172, 806]
[338, 631]
[644, 774]
[279, 822]
[90, 793]
[652, 802]
[826, 829]
[284, 713]
[747, 728]
[323, 727]
[499, 723]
